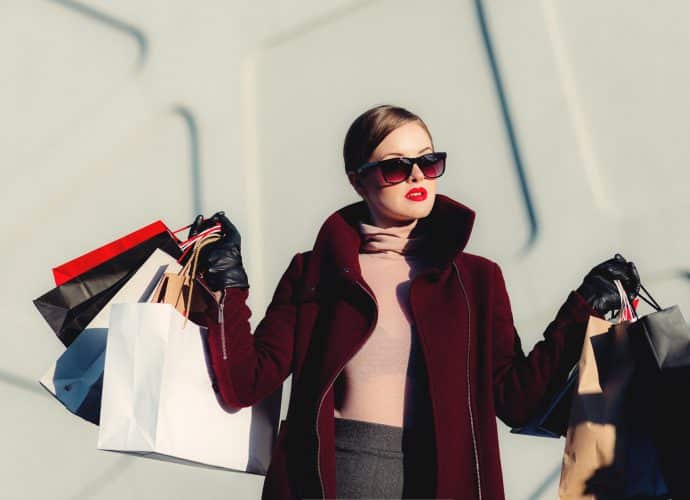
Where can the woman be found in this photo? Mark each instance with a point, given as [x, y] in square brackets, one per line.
[401, 344]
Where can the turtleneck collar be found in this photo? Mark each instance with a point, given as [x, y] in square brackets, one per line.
[338, 241]
[396, 239]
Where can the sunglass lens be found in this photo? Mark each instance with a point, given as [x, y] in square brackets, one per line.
[395, 171]
[432, 166]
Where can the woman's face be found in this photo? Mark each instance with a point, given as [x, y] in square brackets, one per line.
[389, 205]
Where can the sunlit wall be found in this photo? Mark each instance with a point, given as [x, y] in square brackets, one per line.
[565, 125]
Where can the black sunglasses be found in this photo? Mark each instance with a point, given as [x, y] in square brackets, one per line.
[396, 170]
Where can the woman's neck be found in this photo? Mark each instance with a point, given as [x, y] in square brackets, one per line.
[394, 238]
[397, 227]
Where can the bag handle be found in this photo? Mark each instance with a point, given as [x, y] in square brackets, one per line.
[190, 269]
[653, 303]
[194, 260]
[186, 244]
[627, 312]
[649, 299]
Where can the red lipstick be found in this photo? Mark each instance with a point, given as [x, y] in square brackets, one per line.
[416, 194]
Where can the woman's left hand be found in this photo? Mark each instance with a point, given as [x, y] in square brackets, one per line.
[598, 287]
[221, 261]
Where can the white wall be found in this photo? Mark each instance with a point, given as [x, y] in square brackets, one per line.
[115, 114]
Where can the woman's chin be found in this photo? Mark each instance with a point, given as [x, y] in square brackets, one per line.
[414, 210]
[419, 209]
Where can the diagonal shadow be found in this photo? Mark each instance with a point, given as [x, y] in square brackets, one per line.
[314, 23]
[194, 156]
[510, 129]
[550, 478]
[112, 22]
[23, 383]
[93, 487]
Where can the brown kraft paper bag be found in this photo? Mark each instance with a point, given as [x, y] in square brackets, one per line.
[595, 441]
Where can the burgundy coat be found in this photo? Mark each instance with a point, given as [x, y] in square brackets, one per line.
[323, 311]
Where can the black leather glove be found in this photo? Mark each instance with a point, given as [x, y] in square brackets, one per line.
[598, 287]
[221, 261]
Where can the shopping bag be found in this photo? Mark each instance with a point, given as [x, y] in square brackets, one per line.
[644, 476]
[672, 429]
[177, 289]
[609, 451]
[589, 468]
[70, 270]
[158, 400]
[552, 420]
[666, 332]
[70, 307]
[662, 341]
[75, 379]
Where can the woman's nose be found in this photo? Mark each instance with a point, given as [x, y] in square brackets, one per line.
[416, 173]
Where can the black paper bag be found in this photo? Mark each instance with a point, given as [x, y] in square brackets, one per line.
[662, 343]
[552, 420]
[70, 307]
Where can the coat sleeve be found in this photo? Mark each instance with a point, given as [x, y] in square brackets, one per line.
[248, 367]
[521, 383]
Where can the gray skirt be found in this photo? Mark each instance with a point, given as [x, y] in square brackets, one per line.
[371, 463]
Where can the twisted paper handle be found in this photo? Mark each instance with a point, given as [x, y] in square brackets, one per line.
[188, 272]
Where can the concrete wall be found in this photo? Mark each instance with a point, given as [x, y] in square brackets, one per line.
[565, 125]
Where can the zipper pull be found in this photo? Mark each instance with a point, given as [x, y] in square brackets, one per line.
[220, 307]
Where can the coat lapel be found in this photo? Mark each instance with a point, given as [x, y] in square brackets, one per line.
[338, 241]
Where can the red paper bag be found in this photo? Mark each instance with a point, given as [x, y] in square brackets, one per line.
[88, 261]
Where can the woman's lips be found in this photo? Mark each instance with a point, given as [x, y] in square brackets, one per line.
[417, 194]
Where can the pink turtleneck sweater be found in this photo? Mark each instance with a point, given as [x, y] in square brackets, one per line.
[385, 381]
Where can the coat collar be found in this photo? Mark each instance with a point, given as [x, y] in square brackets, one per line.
[338, 242]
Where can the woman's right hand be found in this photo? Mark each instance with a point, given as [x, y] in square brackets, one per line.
[221, 261]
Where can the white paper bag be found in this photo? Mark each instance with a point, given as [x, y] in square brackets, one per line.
[74, 378]
[158, 398]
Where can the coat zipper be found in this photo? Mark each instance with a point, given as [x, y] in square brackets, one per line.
[221, 304]
[469, 386]
[221, 320]
[318, 412]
